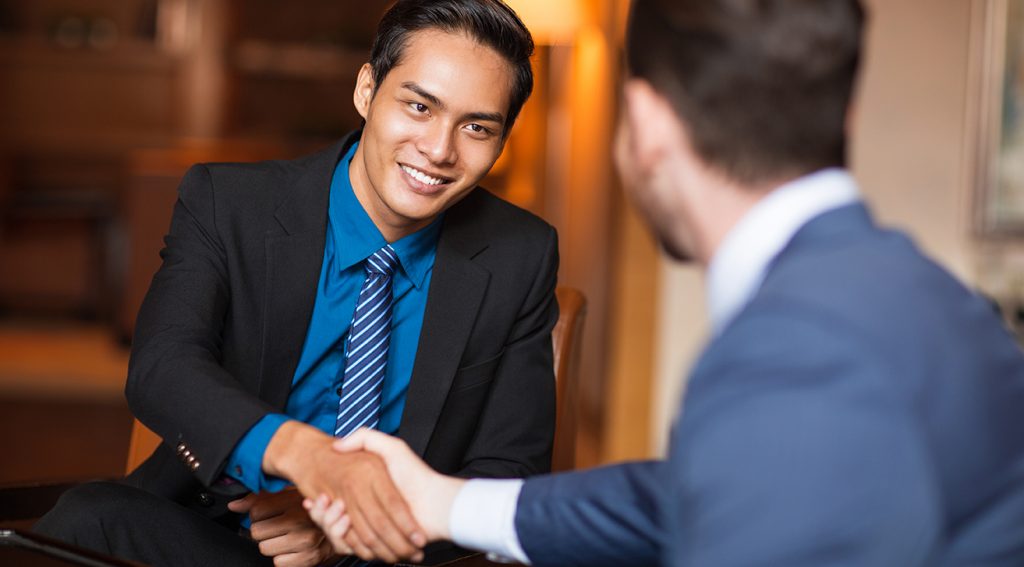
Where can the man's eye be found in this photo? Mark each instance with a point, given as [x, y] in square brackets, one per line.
[418, 107]
[477, 129]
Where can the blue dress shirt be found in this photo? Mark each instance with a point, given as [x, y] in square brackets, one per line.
[351, 238]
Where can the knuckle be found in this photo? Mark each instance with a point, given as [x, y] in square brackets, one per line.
[404, 547]
[309, 539]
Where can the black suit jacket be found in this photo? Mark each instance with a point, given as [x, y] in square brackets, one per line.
[221, 330]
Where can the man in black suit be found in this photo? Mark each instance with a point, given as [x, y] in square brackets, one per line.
[243, 354]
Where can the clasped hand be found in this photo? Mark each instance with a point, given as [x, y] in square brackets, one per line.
[428, 493]
[282, 529]
[380, 523]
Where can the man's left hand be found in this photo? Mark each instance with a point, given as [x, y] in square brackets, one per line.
[283, 529]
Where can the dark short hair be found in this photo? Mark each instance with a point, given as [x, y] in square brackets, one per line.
[489, 22]
[763, 86]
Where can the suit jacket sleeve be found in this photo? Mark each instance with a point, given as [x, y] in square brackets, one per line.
[605, 516]
[176, 384]
[793, 449]
[516, 428]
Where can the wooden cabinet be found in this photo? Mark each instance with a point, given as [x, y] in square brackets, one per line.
[85, 84]
[81, 82]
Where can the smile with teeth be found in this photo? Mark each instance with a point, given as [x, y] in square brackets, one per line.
[422, 177]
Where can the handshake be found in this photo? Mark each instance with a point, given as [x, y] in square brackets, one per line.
[428, 495]
[367, 495]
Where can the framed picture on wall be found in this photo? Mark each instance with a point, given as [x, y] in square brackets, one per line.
[999, 107]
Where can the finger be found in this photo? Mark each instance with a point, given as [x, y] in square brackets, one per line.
[319, 508]
[271, 504]
[264, 510]
[316, 508]
[364, 541]
[391, 540]
[276, 546]
[334, 513]
[289, 560]
[366, 440]
[336, 533]
[355, 441]
[292, 542]
[242, 505]
[410, 535]
[325, 515]
[307, 558]
[326, 553]
[275, 527]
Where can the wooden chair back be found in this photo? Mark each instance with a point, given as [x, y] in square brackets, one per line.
[565, 339]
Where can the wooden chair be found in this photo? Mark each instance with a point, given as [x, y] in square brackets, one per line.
[565, 338]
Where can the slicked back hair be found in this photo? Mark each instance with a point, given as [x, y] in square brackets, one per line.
[489, 22]
[763, 86]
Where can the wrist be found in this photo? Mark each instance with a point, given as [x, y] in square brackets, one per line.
[290, 446]
[445, 489]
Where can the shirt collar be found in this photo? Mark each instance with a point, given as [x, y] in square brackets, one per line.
[739, 266]
[416, 251]
[356, 238]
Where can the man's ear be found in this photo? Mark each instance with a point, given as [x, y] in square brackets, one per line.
[652, 124]
[363, 93]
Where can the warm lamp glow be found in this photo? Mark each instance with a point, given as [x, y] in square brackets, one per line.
[550, 21]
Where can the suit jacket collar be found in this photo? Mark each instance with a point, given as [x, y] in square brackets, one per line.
[457, 289]
[304, 204]
[830, 229]
[741, 261]
[295, 254]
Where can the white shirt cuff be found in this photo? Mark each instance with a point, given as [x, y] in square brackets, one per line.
[483, 517]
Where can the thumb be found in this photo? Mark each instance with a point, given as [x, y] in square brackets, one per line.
[242, 505]
[373, 441]
[352, 443]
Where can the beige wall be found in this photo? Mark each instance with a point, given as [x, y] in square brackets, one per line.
[909, 150]
[909, 131]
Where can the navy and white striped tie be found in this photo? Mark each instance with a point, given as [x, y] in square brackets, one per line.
[368, 340]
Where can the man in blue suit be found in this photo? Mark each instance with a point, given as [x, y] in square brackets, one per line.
[856, 405]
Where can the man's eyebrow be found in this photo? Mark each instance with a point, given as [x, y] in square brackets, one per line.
[486, 117]
[420, 91]
[477, 116]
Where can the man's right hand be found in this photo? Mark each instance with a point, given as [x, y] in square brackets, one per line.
[429, 493]
[379, 515]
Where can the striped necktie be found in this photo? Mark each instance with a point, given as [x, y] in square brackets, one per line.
[368, 340]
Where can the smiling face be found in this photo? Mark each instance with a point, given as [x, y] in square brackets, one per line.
[434, 127]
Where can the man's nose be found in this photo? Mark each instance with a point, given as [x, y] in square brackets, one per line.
[438, 145]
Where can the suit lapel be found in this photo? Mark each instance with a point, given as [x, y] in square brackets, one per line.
[457, 288]
[295, 255]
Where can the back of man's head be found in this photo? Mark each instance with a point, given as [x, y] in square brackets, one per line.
[763, 86]
[489, 22]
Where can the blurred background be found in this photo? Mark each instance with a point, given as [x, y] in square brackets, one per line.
[105, 103]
